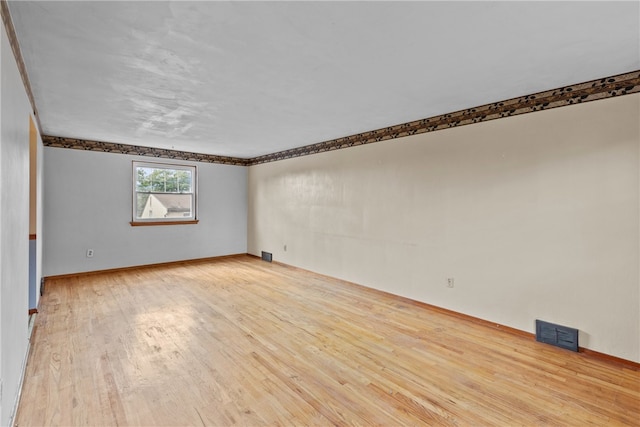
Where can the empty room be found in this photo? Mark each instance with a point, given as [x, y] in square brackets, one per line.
[319, 213]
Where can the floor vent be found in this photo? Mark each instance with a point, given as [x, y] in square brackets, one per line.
[267, 256]
[560, 336]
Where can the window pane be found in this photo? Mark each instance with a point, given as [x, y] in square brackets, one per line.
[163, 180]
[158, 206]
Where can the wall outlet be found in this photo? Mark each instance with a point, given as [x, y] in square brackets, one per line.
[89, 253]
[450, 282]
[285, 248]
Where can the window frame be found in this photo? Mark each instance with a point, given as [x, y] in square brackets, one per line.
[192, 219]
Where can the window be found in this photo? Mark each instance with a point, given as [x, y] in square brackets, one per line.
[163, 194]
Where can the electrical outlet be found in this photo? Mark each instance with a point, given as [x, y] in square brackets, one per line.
[89, 253]
[450, 282]
[285, 248]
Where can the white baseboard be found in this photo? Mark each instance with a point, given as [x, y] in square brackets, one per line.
[14, 411]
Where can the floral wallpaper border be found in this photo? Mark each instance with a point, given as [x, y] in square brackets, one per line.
[112, 147]
[622, 84]
[607, 87]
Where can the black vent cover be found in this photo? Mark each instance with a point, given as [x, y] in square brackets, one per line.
[560, 336]
[266, 256]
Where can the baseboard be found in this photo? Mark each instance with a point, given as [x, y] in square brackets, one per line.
[32, 321]
[23, 371]
[629, 364]
[144, 266]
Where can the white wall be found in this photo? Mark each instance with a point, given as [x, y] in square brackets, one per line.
[534, 216]
[88, 205]
[14, 228]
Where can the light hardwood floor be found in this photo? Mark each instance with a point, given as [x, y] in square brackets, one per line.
[242, 342]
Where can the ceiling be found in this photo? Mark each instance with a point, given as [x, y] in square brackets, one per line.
[244, 79]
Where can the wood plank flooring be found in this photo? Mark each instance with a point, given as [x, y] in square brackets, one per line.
[238, 341]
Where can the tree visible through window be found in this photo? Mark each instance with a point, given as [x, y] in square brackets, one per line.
[163, 192]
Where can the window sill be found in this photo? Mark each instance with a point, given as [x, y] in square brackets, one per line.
[146, 223]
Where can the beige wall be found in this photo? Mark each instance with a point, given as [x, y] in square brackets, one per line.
[534, 216]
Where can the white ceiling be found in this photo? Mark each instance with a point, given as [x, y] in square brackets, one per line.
[244, 79]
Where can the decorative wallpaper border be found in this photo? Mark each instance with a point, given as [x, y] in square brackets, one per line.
[622, 84]
[112, 147]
